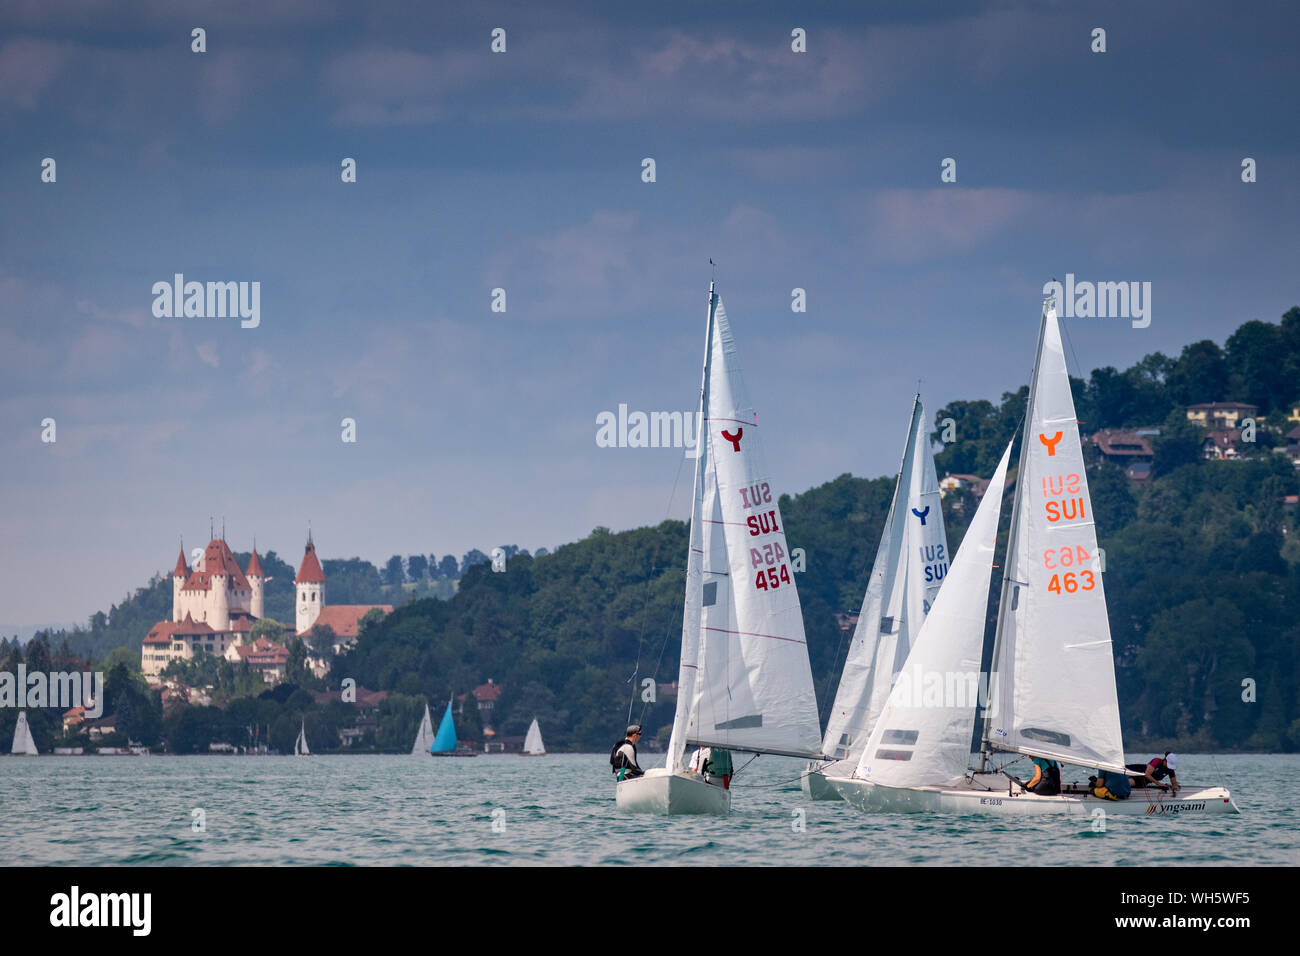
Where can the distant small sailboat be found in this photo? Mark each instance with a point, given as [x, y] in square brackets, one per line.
[745, 681]
[300, 745]
[445, 743]
[533, 746]
[424, 738]
[24, 745]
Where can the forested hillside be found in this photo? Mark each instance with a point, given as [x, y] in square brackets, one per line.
[1202, 579]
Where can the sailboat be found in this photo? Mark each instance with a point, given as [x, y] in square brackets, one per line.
[300, 745]
[445, 743]
[424, 737]
[910, 565]
[1053, 691]
[23, 744]
[745, 682]
[533, 746]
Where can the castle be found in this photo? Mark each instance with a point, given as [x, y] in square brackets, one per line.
[215, 605]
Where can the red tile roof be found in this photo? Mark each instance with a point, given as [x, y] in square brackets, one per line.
[485, 692]
[254, 565]
[263, 651]
[164, 632]
[1122, 443]
[309, 572]
[217, 559]
[182, 569]
[345, 619]
[161, 633]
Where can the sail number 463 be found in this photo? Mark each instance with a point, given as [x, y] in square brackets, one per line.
[1071, 582]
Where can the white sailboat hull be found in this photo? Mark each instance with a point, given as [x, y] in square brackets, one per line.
[874, 798]
[660, 791]
[815, 782]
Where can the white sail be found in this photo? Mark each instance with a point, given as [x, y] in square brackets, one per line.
[423, 737]
[753, 686]
[300, 745]
[910, 564]
[23, 743]
[1056, 694]
[533, 742]
[923, 735]
[690, 650]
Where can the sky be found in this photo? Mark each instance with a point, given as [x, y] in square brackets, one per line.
[522, 170]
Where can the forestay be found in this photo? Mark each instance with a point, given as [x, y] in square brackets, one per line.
[923, 735]
[1055, 681]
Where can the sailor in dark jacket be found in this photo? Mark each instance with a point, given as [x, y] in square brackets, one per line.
[623, 757]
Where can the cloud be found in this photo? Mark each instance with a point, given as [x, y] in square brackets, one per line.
[207, 353]
[27, 68]
[909, 225]
[385, 87]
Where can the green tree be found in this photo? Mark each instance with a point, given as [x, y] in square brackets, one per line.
[269, 628]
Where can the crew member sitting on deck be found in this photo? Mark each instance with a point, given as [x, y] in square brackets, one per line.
[1150, 774]
[623, 757]
[1046, 781]
[1109, 786]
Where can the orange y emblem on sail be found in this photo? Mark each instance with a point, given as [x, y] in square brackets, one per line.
[734, 439]
[1050, 443]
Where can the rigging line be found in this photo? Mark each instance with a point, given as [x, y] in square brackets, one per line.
[736, 773]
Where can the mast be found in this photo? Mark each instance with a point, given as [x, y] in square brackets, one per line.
[1008, 584]
[688, 666]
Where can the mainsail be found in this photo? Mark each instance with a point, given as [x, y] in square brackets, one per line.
[533, 742]
[1055, 673]
[23, 743]
[909, 568]
[745, 681]
[446, 737]
[300, 745]
[424, 737]
[923, 735]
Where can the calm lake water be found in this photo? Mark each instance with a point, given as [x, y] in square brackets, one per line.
[559, 809]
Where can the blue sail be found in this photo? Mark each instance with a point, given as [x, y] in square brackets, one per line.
[445, 739]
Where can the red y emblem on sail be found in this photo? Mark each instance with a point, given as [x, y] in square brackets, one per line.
[1050, 443]
[734, 439]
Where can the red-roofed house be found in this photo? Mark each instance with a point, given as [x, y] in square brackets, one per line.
[262, 655]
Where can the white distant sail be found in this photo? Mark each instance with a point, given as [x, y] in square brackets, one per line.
[923, 735]
[1055, 682]
[745, 681]
[533, 742]
[909, 568]
[300, 745]
[24, 744]
[424, 737]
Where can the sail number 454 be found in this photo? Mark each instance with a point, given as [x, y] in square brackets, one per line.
[773, 572]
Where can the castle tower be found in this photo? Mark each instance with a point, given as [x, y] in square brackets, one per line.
[178, 581]
[255, 580]
[310, 584]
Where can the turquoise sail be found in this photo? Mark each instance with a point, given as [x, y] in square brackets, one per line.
[445, 739]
